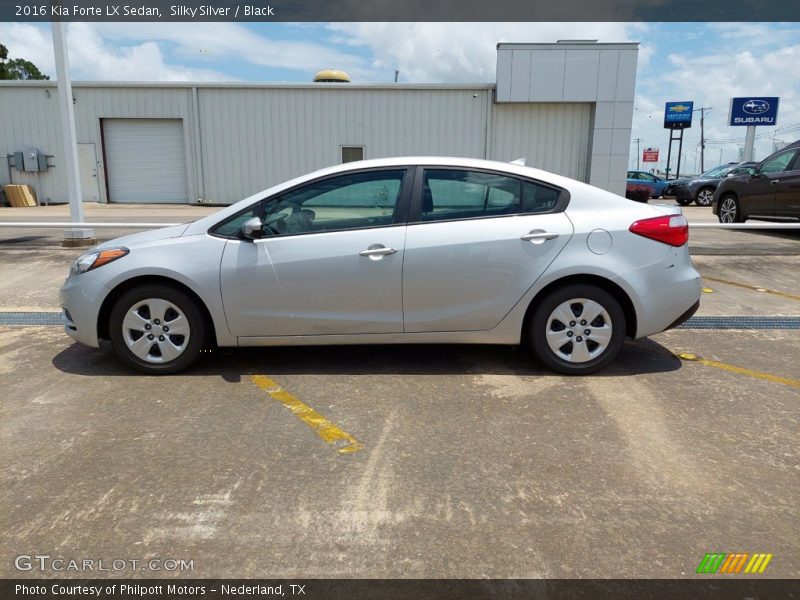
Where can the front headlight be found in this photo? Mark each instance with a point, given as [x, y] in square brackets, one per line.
[96, 258]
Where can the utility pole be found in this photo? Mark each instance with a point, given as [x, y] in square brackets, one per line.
[702, 136]
[638, 154]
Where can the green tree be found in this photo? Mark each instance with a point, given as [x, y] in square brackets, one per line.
[18, 68]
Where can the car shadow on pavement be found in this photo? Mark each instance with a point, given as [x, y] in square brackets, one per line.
[232, 364]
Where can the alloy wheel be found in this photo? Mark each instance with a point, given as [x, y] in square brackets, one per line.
[728, 210]
[704, 197]
[579, 330]
[156, 330]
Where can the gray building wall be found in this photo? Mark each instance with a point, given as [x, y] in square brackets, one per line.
[567, 110]
[603, 75]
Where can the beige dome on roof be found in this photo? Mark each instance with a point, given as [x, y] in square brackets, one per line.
[332, 76]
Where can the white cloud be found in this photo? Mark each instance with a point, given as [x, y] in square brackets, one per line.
[737, 60]
[459, 52]
[94, 57]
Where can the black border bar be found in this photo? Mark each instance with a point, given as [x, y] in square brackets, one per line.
[403, 10]
[712, 587]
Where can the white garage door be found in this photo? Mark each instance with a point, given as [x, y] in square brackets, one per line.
[145, 160]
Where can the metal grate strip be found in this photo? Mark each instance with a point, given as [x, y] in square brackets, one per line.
[742, 323]
[56, 318]
[31, 318]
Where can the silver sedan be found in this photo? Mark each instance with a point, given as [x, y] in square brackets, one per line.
[402, 250]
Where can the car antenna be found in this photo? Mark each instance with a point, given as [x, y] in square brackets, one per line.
[519, 161]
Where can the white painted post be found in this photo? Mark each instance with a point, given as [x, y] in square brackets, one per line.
[72, 237]
[749, 141]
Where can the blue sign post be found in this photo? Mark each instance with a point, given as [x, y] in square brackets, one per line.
[750, 112]
[678, 115]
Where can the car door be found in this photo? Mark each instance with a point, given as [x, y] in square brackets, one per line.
[476, 242]
[787, 190]
[329, 262]
[759, 193]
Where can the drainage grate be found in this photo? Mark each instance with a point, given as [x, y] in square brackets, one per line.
[742, 323]
[31, 318]
[56, 318]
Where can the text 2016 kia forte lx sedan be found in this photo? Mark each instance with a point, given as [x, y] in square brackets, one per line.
[401, 250]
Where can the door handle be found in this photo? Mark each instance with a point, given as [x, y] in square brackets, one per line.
[774, 181]
[377, 252]
[538, 236]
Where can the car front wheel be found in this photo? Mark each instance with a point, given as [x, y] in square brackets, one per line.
[578, 329]
[704, 197]
[729, 211]
[156, 329]
[683, 201]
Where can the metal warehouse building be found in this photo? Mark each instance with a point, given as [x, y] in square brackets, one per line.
[566, 107]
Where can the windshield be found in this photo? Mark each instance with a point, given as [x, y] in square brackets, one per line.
[717, 171]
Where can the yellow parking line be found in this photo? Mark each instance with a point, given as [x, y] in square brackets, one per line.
[740, 370]
[755, 288]
[323, 427]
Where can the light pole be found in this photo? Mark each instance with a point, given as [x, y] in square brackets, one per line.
[72, 237]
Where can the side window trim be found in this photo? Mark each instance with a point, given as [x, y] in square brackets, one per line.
[415, 209]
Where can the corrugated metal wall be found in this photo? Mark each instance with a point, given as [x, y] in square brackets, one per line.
[253, 137]
[286, 132]
[553, 137]
[29, 117]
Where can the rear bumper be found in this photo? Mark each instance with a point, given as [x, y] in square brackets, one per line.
[685, 316]
[666, 294]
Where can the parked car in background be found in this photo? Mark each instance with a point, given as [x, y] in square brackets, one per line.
[655, 183]
[700, 189]
[396, 250]
[771, 189]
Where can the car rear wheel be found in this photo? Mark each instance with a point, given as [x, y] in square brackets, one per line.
[578, 329]
[157, 329]
[729, 211]
[704, 197]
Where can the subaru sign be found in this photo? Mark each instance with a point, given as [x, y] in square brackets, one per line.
[678, 115]
[754, 111]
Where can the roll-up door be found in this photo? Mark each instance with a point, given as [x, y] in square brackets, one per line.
[145, 160]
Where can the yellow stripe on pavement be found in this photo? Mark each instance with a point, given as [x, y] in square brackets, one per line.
[740, 370]
[329, 432]
[755, 288]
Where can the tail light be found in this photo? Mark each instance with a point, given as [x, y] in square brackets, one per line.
[669, 229]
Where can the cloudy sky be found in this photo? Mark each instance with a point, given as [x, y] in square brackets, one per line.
[705, 62]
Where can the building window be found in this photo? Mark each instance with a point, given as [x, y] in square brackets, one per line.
[352, 153]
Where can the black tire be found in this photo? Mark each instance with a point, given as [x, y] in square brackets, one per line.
[729, 210]
[120, 335]
[683, 201]
[542, 318]
[704, 196]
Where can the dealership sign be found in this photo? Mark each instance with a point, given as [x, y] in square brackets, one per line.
[678, 115]
[754, 111]
[650, 155]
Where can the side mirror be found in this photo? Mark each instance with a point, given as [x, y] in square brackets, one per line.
[252, 229]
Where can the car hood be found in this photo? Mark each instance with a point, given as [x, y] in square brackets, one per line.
[152, 235]
[680, 181]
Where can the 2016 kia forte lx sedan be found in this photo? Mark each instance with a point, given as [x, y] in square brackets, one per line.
[401, 250]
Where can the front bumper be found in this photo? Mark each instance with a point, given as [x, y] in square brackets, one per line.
[81, 298]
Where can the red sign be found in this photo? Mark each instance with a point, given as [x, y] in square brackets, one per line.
[650, 155]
